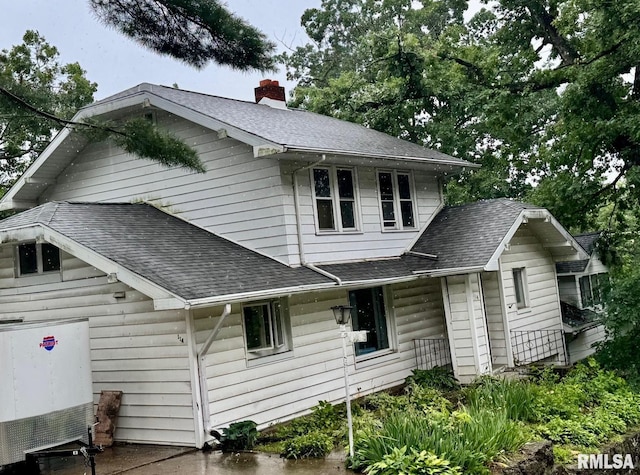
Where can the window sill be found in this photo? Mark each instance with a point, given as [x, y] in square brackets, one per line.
[37, 279]
[337, 233]
[406, 230]
[373, 359]
[524, 310]
[254, 359]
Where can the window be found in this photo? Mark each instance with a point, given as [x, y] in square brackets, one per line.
[591, 287]
[34, 258]
[520, 286]
[369, 314]
[396, 200]
[266, 328]
[335, 199]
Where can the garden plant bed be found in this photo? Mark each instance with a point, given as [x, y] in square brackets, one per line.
[434, 426]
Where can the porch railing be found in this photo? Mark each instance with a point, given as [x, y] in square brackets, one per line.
[432, 352]
[531, 346]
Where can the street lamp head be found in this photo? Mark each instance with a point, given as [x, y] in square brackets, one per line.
[342, 314]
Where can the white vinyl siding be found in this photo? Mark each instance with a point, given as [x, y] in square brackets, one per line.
[582, 345]
[371, 241]
[495, 320]
[282, 389]
[239, 197]
[134, 349]
[467, 326]
[543, 312]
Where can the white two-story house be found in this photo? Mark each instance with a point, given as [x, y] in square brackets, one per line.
[209, 295]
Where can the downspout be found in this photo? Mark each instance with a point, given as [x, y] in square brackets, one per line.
[296, 205]
[202, 354]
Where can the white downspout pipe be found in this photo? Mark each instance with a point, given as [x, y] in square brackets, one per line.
[204, 394]
[296, 204]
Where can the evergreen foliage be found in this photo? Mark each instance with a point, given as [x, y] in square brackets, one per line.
[194, 31]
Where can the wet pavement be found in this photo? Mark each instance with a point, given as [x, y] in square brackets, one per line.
[155, 460]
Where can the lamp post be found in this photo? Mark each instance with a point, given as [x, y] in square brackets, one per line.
[342, 314]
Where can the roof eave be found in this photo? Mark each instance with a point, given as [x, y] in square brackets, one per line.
[453, 163]
[162, 298]
[523, 217]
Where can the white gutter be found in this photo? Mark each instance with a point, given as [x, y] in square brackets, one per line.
[446, 272]
[271, 293]
[437, 161]
[421, 254]
[202, 374]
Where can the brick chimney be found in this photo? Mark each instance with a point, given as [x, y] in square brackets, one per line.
[269, 89]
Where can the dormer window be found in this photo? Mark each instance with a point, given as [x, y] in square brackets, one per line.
[35, 258]
[397, 205]
[335, 196]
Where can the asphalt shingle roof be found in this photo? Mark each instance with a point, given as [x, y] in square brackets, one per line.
[459, 236]
[292, 128]
[185, 260]
[588, 243]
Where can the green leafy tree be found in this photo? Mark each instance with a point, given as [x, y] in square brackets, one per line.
[39, 96]
[540, 92]
[33, 71]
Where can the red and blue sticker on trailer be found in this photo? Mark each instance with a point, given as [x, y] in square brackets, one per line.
[48, 342]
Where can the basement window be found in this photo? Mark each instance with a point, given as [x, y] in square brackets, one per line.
[35, 258]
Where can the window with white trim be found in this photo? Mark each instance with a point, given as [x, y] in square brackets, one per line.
[591, 287]
[37, 258]
[520, 287]
[369, 313]
[396, 195]
[266, 328]
[335, 197]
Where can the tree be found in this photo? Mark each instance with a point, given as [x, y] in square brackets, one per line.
[193, 31]
[38, 96]
[540, 92]
[32, 70]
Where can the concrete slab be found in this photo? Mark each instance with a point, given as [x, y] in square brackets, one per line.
[157, 460]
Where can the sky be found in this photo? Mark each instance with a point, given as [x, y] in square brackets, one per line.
[117, 63]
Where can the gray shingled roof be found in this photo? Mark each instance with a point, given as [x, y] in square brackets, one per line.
[461, 237]
[588, 243]
[185, 260]
[292, 128]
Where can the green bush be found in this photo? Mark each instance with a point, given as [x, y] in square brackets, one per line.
[518, 398]
[466, 440]
[437, 378]
[239, 436]
[413, 463]
[314, 444]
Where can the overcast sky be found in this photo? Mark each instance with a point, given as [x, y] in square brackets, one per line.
[116, 63]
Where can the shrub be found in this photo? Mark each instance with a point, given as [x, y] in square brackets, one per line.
[384, 403]
[436, 377]
[466, 440]
[314, 444]
[238, 436]
[518, 398]
[413, 463]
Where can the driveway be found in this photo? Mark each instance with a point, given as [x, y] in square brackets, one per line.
[155, 460]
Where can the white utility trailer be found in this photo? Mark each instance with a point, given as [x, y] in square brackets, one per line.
[46, 397]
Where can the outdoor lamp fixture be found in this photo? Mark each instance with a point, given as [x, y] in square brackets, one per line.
[342, 314]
